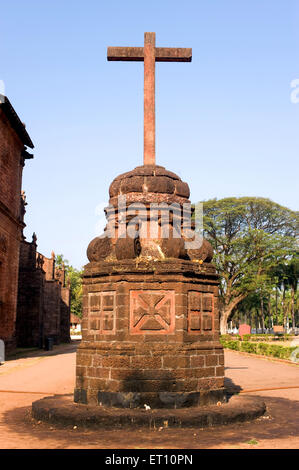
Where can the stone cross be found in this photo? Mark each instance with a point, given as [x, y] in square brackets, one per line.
[149, 54]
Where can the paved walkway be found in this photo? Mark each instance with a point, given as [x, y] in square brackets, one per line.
[252, 373]
[25, 380]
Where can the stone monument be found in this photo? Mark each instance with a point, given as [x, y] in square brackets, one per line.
[150, 328]
[244, 329]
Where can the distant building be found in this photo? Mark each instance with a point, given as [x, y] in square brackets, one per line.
[43, 299]
[14, 141]
[34, 300]
[75, 323]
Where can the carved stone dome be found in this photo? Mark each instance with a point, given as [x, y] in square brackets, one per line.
[149, 183]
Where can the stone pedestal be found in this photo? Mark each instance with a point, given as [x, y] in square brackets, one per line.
[150, 330]
[150, 335]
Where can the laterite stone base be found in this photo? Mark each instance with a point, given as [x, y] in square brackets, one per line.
[150, 335]
[62, 410]
[156, 399]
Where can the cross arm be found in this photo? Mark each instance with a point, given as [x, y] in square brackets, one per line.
[125, 53]
[162, 54]
[173, 54]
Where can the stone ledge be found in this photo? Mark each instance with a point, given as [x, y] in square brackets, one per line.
[150, 267]
[61, 410]
[148, 347]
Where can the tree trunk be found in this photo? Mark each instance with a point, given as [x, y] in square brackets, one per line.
[223, 322]
[284, 310]
[270, 314]
[226, 312]
[293, 308]
[224, 319]
[262, 315]
[256, 321]
[276, 304]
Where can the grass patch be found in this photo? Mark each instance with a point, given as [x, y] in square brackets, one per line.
[253, 442]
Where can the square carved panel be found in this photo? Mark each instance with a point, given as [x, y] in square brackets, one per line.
[194, 321]
[152, 312]
[101, 312]
[200, 312]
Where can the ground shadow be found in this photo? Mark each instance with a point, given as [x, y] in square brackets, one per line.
[65, 348]
[279, 423]
[237, 368]
[230, 387]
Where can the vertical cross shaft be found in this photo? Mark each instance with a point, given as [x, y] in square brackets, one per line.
[149, 150]
[149, 54]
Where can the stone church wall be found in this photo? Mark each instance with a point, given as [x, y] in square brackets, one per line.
[13, 138]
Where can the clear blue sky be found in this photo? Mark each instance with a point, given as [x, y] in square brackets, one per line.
[225, 122]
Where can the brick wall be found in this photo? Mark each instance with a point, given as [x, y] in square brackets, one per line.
[52, 296]
[65, 302]
[43, 302]
[10, 167]
[10, 227]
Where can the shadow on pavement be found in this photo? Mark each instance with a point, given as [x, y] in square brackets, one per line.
[280, 422]
[231, 387]
[66, 348]
[237, 368]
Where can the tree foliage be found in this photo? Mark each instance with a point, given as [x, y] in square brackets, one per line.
[74, 279]
[250, 237]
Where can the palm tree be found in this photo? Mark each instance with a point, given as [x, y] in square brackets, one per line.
[286, 276]
[292, 271]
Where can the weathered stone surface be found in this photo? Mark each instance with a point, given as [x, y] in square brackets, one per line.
[151, 348]
[13, 142]
[99, 248]
[159, 184]
[133, 184]
[162, 307]
[149, 54]
[177, 270]
[173, 247]
[43, 306]
[127, 248]
[62, 411]
[114, 189]
[162, 54]
[204, 253]
[34, 302]
[182, 189]
[149, 179]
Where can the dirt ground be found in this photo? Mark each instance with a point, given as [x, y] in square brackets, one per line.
[25, 380]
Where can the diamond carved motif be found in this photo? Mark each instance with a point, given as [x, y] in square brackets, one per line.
[152, 312]
[101, 312]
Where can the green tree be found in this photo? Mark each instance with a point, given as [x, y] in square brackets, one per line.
[255, 308]
[292, 272]
[250, 236]
[74, 276]
[287, 275]
[74, 279]
[60, 262]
